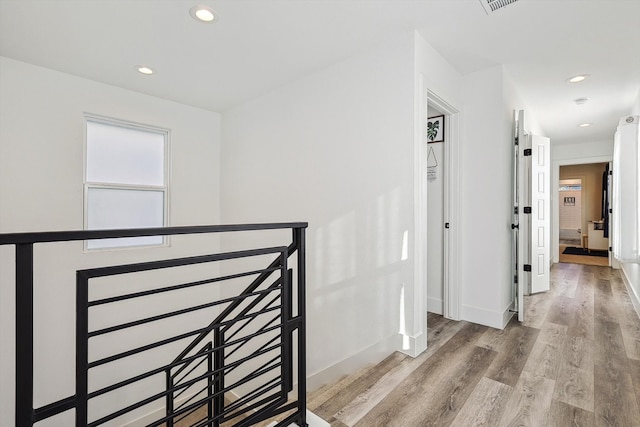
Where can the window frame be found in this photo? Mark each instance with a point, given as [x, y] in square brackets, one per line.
[87, 185]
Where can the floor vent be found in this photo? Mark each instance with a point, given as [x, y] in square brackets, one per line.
[493, 5]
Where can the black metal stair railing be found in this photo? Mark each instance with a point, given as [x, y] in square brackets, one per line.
[238, 369]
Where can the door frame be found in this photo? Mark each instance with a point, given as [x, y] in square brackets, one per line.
[451, 209]
[555, 206]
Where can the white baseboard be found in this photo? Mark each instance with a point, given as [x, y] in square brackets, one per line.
[435, 306]
[635, 299]
[413, 345]
[485, 317]
[368, 356]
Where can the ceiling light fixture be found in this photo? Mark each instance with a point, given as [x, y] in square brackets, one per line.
[578, 78]
[584, 125]
[143, 69]
[203, 14]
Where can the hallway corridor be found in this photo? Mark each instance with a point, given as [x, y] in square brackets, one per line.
[575, 361]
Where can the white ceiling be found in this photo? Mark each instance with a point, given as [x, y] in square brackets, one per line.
[258, 45]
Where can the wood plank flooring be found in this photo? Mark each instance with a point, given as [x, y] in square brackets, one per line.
[575, 361]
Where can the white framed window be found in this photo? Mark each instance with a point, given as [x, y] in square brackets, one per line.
[126, 179]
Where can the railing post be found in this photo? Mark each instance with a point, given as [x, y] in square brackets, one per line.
[82, 348]
[24, 335]
[209, 382]
[169, 399]
[218, 379]
[299, 238]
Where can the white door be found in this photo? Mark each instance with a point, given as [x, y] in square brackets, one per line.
[540, 239]
[532, 219]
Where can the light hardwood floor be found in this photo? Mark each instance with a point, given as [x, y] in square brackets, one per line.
[575, 361]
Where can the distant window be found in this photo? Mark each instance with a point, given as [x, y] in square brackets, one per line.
[125, 180]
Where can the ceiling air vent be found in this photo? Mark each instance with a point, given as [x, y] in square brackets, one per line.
[493, 5]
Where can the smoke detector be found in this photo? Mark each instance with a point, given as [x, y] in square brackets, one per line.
[493, 5]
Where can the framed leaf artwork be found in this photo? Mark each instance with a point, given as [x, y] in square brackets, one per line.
[435, 129]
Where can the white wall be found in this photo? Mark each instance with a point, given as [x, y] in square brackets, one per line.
[41, 188]
[486, 188]
[486, 202]
[631, 271]
[336, 149]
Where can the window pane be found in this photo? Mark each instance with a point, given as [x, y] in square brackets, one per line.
[121, 155]
[123, 208]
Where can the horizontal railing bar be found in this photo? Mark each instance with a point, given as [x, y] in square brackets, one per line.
[267, 325]
[54, 408]
[164, 394]
[210, 374]
[178, 287]
[224, 416]
[252, 287]
[186, 402]
[249, 337]
[181, 362]
[268, 409]
[229, 413]
[183, 416]
[114, 270]
[187, 374]
[291, 418]
[204, 351]
[66, 236]
[252, 377]
[275, 284]
[257, 351]
[254, 374]
[164, 342]
[237, 331]
[147, 374]
[171, 314]
[264, 365]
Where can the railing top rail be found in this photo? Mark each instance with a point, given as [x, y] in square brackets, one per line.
[66, 236]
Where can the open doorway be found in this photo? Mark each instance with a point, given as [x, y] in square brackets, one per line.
[440, 155]
[436, 176]
[583, 236]
[570, 198]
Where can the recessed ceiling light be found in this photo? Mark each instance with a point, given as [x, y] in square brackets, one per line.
[203, 14]
[578, 78]
[143, 69]
[584, 125]
[580, 101]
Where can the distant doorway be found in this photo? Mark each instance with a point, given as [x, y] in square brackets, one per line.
[570, 205]
[581, 218]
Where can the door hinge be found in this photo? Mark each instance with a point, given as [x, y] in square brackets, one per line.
[527, 209]
[515, 210]
[527, 267]
[610, 171]
[527, 152]
[446, 225]
[610, 249]
[610, 211]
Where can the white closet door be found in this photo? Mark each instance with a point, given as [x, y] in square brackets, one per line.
[540, 237]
